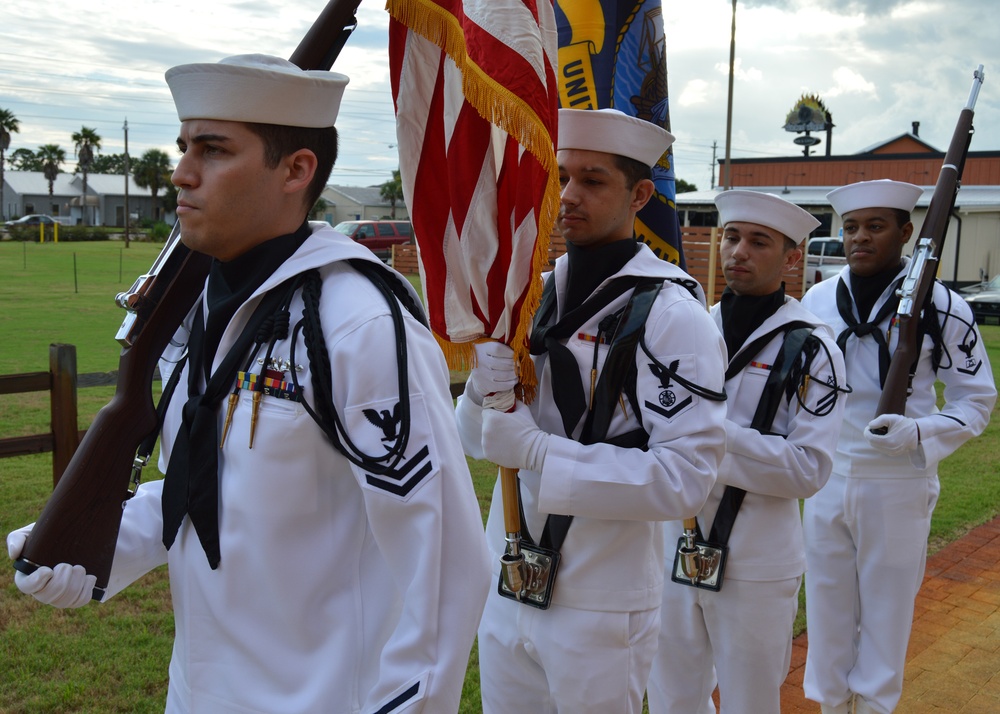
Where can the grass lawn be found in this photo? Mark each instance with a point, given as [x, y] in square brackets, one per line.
[113, 657]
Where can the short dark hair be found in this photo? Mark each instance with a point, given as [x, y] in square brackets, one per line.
[902, 217]
[280, 141]
[634, 170]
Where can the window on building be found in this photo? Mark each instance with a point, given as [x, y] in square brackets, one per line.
[708, 219]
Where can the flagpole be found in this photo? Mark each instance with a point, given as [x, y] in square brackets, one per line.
[728, 183]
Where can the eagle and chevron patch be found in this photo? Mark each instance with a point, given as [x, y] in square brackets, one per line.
[375, 428]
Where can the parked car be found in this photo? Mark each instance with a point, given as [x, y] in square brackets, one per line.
[32, 219]
[982, 285]
[985, 303]
[377, 236]
[824, 258]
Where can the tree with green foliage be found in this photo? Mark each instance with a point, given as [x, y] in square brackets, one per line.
[9, 124]
[392, 191]
[152, 170]
[169, 201]
[51, 156]
[109, 164]
[683, 186]
[319, 208]
[86, 143]
[24, 159]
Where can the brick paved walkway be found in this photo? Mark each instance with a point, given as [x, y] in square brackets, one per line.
[953, 661]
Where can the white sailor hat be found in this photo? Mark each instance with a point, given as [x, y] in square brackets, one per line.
[765, 209]
[259, 89]
[881, 193]
[613, 132]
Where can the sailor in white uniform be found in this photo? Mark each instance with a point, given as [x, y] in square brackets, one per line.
[324, 542]
[784, 400]
[866, 530]
[654, 458]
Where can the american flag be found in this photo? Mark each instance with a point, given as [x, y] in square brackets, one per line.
[476, 103]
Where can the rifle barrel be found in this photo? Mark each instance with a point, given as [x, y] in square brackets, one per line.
[922, 271]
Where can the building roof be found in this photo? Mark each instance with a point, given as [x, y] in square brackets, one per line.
[906, 142]
[362, 195]
[34, 183]
[969, 197]
[112, 185]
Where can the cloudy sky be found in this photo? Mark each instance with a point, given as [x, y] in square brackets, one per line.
[878, 65]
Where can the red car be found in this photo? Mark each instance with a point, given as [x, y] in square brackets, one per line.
[377, 236]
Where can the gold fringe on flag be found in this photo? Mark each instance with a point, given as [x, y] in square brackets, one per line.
[501, 107]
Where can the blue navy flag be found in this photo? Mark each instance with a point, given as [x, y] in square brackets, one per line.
[612, 53]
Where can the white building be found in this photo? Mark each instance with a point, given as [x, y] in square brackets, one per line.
[27, 192]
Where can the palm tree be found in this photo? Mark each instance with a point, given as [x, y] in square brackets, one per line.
[392, 191]
[8, 124]
[52, 157]
[85, 143]
[152, 170]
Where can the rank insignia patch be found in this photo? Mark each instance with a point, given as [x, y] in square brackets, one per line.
[972, 364]
[386, 421]
[405, 477]
[673, 398]
[375, 428]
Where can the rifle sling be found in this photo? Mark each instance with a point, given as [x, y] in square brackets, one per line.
[795, 339]
[618, 363]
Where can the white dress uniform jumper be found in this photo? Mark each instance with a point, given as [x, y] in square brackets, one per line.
[740, 636]
[349, 573]
[866, 530]
[591, 650]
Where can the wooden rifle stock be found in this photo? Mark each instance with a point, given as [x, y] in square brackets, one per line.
[80, 522]
[922, 272]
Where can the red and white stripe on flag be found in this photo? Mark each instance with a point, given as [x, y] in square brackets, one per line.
[476, 114]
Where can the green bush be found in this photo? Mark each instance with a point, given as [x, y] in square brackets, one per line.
[159, 231]
[77, 234]
[27, 234]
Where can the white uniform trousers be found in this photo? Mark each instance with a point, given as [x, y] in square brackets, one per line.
[866, 547]
[563, 660]
[745, 630]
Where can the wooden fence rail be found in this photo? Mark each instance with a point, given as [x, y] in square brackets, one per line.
[61, 383]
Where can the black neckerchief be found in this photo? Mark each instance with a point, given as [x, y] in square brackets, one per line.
[872, 287]
[589, 267]
[231, 284]
[868, 289]
[191, 484]
[742, 314]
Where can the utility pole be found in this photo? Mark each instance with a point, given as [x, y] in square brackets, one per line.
[728, 182]
[127, 214]
[715, 145]
[4, 145]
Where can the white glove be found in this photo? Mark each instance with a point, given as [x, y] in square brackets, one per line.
[16, 540]
[902, 435]
[513, 439]
[494, 372]
[64, 586]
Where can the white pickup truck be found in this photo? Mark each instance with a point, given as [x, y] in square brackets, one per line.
[824, 258]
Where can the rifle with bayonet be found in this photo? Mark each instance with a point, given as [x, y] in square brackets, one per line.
[80, 521]
[919, 281]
